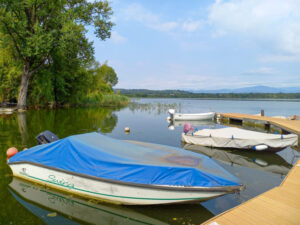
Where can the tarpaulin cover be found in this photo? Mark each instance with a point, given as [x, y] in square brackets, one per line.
[100, 156]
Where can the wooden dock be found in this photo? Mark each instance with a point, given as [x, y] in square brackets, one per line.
[292, 126]
[280, 205]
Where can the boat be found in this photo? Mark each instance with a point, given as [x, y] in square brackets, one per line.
[103, 168]
[55, 207]
[232, 137]
[272, 163]
[190, 116]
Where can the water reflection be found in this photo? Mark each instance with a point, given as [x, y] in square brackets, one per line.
[147, 121]
[272, 163]
[158, 108]
[207, 123]
[54, 207]
[20, 129]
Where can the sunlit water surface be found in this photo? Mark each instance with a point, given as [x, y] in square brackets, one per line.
[25, 203]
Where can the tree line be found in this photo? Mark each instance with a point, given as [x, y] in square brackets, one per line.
[45, 55]
[144, 93]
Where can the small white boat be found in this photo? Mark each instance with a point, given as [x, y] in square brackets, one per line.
[102, 168]
[232, 137]
[190, 116]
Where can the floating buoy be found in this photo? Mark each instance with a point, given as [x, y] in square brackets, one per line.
[260, 147]
[11, 152]
[169, 118]
[127, 129]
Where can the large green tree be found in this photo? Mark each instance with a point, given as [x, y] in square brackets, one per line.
[39, 29]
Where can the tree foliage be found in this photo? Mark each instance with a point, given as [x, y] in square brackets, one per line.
[48, 39]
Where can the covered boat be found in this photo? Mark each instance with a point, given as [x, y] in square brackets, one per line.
[232, 137]
[103, 168]
[190, 116]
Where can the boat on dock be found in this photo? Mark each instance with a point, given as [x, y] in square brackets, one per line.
[106, 169]
[232, 137]
[190, 116]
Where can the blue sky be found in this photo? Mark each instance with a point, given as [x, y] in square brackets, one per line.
[175, 44]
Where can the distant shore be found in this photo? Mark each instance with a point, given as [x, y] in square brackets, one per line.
[144, 93]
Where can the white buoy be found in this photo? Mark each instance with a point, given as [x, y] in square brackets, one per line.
[127, 129]
[168, 118]
[260, 147]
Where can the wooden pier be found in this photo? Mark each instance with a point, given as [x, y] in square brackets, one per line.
[280, 205]
[292, 126]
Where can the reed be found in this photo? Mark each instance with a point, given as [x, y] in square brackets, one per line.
[113, 100]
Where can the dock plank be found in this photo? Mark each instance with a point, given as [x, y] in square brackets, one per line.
[286, 124]
[280, 205]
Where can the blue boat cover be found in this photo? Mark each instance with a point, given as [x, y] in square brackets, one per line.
[101, 156]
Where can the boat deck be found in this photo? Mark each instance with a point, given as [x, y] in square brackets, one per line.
[286, 124]
[280, 205]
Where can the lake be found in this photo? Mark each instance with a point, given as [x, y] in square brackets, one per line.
[26, 203]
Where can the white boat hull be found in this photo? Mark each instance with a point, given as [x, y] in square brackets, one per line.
[190, 116]
[113, 192]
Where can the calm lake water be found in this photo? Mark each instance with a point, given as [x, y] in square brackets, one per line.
[25, 203]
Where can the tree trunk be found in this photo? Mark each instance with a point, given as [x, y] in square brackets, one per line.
[24, 87]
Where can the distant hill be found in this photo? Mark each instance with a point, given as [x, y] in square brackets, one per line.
[253, 89]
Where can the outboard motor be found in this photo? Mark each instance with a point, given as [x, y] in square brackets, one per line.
[46, 137]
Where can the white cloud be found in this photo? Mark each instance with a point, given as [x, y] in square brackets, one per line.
[191, 26]
[165, 26]
[138, 13]
[262, 71]
[279, 58]
[117, 38]
[274, 24]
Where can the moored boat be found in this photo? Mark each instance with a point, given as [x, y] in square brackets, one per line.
[190, 116]
[103, 168]
[232, 137]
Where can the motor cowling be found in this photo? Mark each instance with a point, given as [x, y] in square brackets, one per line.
[46, 137]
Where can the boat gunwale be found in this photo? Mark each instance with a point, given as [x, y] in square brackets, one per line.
[226, 189]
